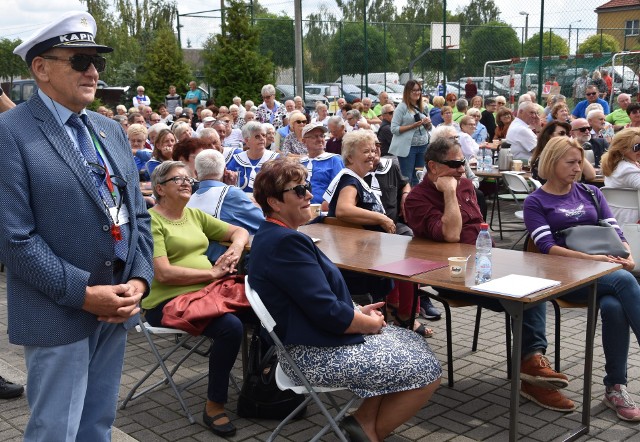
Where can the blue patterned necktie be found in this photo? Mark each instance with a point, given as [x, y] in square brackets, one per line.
[88, 150]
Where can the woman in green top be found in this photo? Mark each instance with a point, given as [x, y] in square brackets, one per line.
[181, 236]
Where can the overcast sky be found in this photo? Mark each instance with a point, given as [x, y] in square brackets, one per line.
[21, 18]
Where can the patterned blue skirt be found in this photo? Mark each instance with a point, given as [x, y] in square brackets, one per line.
[395, 360]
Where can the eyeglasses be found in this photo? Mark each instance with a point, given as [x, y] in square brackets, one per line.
[300, 121]
[591, 94]
[300, 190]
[266, 97]
[454, 164]
[636, 147]
[502, 103]
[179, 180]
[101, 173]
[416, 90]
[81, 62]
[562, 133]
[583, 129]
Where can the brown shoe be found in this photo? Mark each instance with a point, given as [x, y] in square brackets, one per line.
[537, 371]
[551, 399]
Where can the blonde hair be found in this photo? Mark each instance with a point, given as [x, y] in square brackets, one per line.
[137, 129]
[438, 101]
[555, 149]
[622, 142]
[354, 139]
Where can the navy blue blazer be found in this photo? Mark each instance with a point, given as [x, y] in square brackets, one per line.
[302, 289]
[55, 236]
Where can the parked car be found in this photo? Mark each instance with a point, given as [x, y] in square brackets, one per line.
[285, 92]
[22, 90]
[376, 89]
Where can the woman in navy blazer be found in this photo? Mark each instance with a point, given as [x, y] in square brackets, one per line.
[332, 341]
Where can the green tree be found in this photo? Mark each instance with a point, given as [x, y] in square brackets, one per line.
[321, 26]
[378, 11]
[552, 44]
[493, 41]
[348, 49]
[276, 38]
[599, 43]
[477, 13]
[164, 65]
[11, 65]
[233, 64]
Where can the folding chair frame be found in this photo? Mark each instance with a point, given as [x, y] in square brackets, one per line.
[181, 339]
[284, 382]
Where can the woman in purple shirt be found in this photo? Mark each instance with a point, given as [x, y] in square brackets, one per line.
[561, 203]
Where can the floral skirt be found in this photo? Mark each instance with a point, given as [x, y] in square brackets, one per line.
[395, 360]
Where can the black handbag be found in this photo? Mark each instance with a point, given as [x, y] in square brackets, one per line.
[601, 239]
[260, 396]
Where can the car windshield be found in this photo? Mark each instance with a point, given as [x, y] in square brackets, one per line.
[313, 90]
[395, 87]
[287, 89]
[351, 88]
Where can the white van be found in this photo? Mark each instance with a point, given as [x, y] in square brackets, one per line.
[624, 79]
[374, 77]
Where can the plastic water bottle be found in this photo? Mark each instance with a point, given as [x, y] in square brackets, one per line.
[483, 254]
[487, 159]
[480, 166]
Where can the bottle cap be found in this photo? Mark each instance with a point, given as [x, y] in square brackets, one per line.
[484, 226]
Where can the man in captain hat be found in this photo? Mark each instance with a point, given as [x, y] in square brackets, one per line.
[74, 236]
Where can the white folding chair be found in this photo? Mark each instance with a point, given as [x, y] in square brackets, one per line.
[624, 204]
[590, 157]
[181, 338]
[519, 189]
[285, 383]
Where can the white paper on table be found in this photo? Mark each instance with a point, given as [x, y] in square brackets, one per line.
[516, 286]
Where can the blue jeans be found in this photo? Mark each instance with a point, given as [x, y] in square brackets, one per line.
[619, 300]
[226, 332]
[73, 388]
[414, 160]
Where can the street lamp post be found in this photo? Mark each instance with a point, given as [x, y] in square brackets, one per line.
[526, 25]
[576, 21]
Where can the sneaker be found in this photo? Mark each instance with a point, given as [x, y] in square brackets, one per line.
[547, 398]
[537, 371]
[428, 311]
[618, 399]
[9, 390]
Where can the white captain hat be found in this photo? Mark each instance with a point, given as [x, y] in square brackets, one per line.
[72, 30]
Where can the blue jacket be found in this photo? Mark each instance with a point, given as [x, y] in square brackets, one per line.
[302, 289]
[55, 235]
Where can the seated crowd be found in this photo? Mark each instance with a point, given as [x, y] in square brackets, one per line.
[222, 174]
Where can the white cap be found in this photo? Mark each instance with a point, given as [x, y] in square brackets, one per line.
[309, 127]
[72, 30]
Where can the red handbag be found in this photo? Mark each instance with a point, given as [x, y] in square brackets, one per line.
[193, 311]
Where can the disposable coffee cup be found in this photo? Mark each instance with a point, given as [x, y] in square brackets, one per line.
[458, 267]
[315, 210]
[517, 165]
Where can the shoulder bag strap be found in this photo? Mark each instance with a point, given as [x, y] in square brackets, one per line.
[595, 200]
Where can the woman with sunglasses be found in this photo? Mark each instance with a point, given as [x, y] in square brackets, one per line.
[633, 110]
[271, 111]
[292, 143]
[181, 237]
[332, 342]
[411, 131]
[352, 200]
[621, 169]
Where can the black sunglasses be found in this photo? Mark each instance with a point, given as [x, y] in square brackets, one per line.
[591, 94]
[583, 129]
[81, 62]
[636, 147]
[300, 190]
[454, 164]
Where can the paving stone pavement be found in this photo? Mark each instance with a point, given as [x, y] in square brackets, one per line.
[475, 409]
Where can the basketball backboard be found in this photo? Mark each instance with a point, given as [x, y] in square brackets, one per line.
[439, 39]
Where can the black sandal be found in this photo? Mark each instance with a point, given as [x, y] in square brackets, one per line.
[224, 430]
[392, 313]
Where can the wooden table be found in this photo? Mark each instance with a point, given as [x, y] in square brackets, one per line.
[359, 250]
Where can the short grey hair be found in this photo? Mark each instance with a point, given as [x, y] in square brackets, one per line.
[473, 111]
[179, 128]
[352, 140]
[209, 165]
[233, 107]
[121, 107]
[355, 113]
[209, 132]
[461, 104]
[337, 120]
[320, 105]
[267, 126]
[268, 89]
[161, 173]
[249, 129]
[249, 103]
[443, 132]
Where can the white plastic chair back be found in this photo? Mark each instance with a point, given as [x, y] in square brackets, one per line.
[516, 182]
[624, 204]
[590, 157]
[258, 307]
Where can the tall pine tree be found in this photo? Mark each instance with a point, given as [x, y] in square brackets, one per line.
[233, 63]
